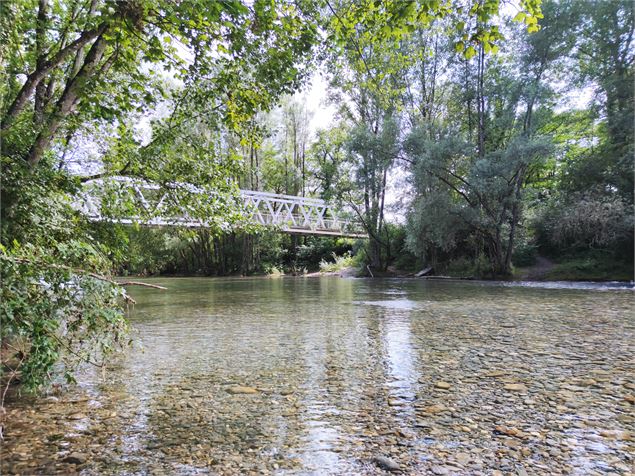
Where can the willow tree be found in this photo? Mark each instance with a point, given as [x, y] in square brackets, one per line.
[374, 47]
[488, 145]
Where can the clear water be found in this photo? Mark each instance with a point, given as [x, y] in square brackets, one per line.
[345, 370]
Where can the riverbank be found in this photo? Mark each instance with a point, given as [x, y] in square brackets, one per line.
[578, 269]
[550, 275]
[543, 271]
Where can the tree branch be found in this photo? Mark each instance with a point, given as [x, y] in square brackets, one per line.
[91, 274]
[66, 102]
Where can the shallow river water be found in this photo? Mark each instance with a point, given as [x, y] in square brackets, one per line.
[349, 376]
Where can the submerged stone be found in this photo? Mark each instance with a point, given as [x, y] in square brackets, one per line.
[386, 463]
[515, 387]
[76, 458]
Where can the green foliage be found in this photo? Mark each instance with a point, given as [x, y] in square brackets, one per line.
[431, 225]
[245, 56]
[58, 303]
[317, 250]
[399, 253]
[525, 254]
[462, 193]
[605, 57]
[329, 160]
[53, 314]
[138, 250]
[146, 251]
[592, 266]
[494, 148]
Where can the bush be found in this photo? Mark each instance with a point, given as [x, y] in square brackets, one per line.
[586, 221]
[339, 263]
[318, 250]
[57, 304]
[591, 266]
[525, 254]
[56, 313]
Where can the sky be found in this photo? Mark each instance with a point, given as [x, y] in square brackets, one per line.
[316, 98]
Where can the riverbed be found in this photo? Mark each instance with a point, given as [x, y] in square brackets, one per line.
[349, 376]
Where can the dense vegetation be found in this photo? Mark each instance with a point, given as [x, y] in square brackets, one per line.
[467, 109]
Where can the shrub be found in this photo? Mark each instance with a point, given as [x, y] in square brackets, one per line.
[339, 263]
[56, 313]
[586, 221]
[58, 304]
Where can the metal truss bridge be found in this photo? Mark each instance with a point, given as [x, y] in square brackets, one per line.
[154, 206]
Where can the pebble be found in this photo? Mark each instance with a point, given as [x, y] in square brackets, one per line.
[515, 387]
[440, 470]
[75, 458]
[77, 416]
[434, 409]
[462, 458]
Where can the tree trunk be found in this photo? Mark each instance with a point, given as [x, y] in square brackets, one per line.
[40, 46]
[39, 74]
[481, 102]
[247, 254]
[375, 254]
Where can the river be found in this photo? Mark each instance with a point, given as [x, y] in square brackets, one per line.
[349, 376]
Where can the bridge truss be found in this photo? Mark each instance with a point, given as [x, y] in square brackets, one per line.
[155, 206]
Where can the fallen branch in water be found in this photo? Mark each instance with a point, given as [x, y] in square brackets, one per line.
[139, 283]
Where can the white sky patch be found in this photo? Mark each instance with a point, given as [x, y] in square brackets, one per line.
[576, 99]
[315, 95]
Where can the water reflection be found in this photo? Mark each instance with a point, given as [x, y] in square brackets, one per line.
[401, 361]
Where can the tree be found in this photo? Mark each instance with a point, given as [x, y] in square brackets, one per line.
[328, 162]
[375, 43]
[485, 164]
[605, 57]
[68, 68]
